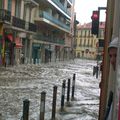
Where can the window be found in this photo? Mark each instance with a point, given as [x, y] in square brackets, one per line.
[89, 33]
[9, 5]
[18, 8]
[84, 42]
[25, 11]
[1, 3]
[81, 33]
[80, 43]
[88, 42]
[85, 33]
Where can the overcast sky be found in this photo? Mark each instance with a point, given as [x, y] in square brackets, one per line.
[84, 8]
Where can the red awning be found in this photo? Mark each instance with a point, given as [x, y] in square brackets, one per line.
[10, 37]
[18, 42]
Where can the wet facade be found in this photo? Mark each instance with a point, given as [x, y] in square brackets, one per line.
[36, 31]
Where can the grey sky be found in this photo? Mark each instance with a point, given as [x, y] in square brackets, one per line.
[84, 8]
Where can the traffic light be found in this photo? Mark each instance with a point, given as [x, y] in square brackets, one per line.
[95, 23]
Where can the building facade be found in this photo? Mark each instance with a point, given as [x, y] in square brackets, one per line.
[87, 44]
[35, 31]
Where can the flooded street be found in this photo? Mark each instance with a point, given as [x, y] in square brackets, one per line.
[28, 81]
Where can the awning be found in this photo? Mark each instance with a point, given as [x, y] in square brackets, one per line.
[18, 42]
[10, 37]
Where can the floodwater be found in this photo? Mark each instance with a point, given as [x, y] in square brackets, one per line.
[28, 81]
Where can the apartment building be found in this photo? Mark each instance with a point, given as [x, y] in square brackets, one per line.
[36, 30]
[88, 46]
[17, 27]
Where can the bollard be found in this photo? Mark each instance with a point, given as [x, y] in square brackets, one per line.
[26, 104]
[0, 116]
[94, 70]
[73, 87]
[42, 105]
[54, 102]
[97, 68]
[68, 91]
[63, 95]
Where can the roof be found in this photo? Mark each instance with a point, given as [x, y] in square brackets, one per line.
[89, 25]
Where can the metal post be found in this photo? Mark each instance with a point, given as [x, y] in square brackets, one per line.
[73, 87]
[68, 91]
[63, 95]
[54, 102]
[97, 68]
[26, 109]
[42, 105]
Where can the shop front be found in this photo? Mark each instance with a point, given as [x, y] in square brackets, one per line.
[36, 53]
[18, 51]
[8, 49]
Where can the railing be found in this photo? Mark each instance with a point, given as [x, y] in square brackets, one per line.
[17, 22]
[47, 16]
[59, 5]
[37, 1]
[5, 15]
[32, 27]
[49, 39]
[57, 2]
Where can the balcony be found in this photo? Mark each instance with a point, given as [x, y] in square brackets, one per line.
[32, 27]
[17, 22]
[61, 7]
[5, 15]
[49, 39]
[32, 3]
[22, 24]
[47, 16]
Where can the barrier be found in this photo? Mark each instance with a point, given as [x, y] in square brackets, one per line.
[54, 102]
[63, 95]
[26, 102]
[68, 91]
[73, 87]
[42, 105]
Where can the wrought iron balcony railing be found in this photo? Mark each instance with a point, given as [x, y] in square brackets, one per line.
[5, 15]
[17, 22]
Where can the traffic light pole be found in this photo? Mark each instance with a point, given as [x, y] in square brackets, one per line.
[99, 9]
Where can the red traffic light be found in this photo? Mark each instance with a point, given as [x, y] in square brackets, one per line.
[95, 15]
